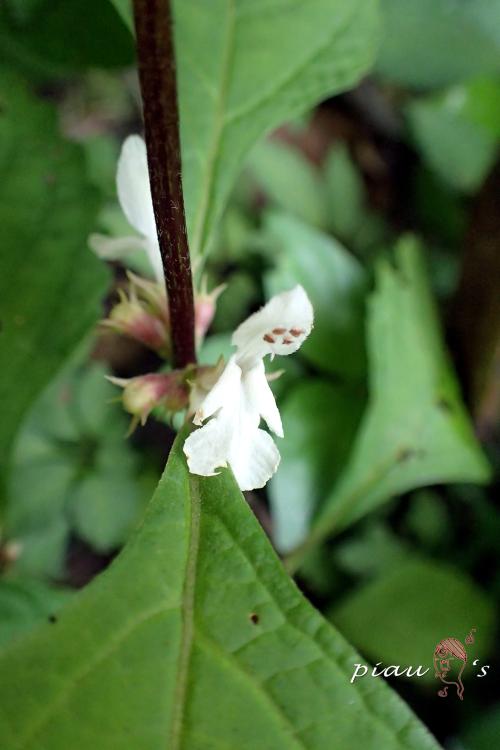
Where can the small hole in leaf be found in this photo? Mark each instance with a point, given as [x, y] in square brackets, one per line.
[444, 405]
[254, 618]
[405, 454]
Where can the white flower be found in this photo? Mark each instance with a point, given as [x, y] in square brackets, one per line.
[241, 396]
[134, 194]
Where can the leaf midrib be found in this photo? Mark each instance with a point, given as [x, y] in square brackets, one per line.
[187, 609]
[213, 154]
[222, 120]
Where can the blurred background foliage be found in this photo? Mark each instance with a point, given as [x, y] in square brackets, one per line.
[365, 192]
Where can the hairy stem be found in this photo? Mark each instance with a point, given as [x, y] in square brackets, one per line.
[156, 59]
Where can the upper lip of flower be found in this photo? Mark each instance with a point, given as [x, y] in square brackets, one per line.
[242, 396]
[134, 194]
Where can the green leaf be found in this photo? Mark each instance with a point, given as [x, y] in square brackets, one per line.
[289, 181]
[237, 82]
[124, 9]
[36, 39]
[428, 519]
[432, 43]
[416, 431]
[215, 347]
[236, 301]
[346, 193]
[319, 422]
[195, 638]
[400, 617]
[458, 149]
[72, 470]
[479, 101]
[50, 283]
[26, 603]
[377, 549]
[336, 284]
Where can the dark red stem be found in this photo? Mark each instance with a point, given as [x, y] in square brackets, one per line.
[156, 60]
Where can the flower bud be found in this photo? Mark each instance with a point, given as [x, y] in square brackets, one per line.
[145, 392]
[204, 310]
[152, 294]
[132, 317]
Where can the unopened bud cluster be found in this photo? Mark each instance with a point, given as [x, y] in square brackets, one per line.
[142, 314]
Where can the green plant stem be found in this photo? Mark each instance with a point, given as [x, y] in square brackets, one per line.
[156, 60]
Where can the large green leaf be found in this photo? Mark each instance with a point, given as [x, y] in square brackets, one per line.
[195, 638]
[429, 43]
[50, 283]
[416, 431]
[422, 599]
[336, 283]
[247, 66]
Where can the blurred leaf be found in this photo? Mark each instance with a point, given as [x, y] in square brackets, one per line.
[194, 637]
[428, 519]
[289, 181]
[124, 9]
[101, 153]
[457, 149]
[441, 213]
[376, 550]
[483, 731]
[336, 284]
[479, 101]
[50, 283]
[236, 232]
[37, 37]
[432, 43]
[71, 470]
[215, 346]
[235, 302]
[319, 572]
[319, 422]
[25, 604]
[416, 431]
[105, 505]
[401, 617]
[346, 193]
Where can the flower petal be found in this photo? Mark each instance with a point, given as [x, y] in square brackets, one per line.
[207, 448]
[249, 451]
[114, 248]
[134, 192]
[225, 393]
[259, 394]
[280, 327]
[254, 460]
